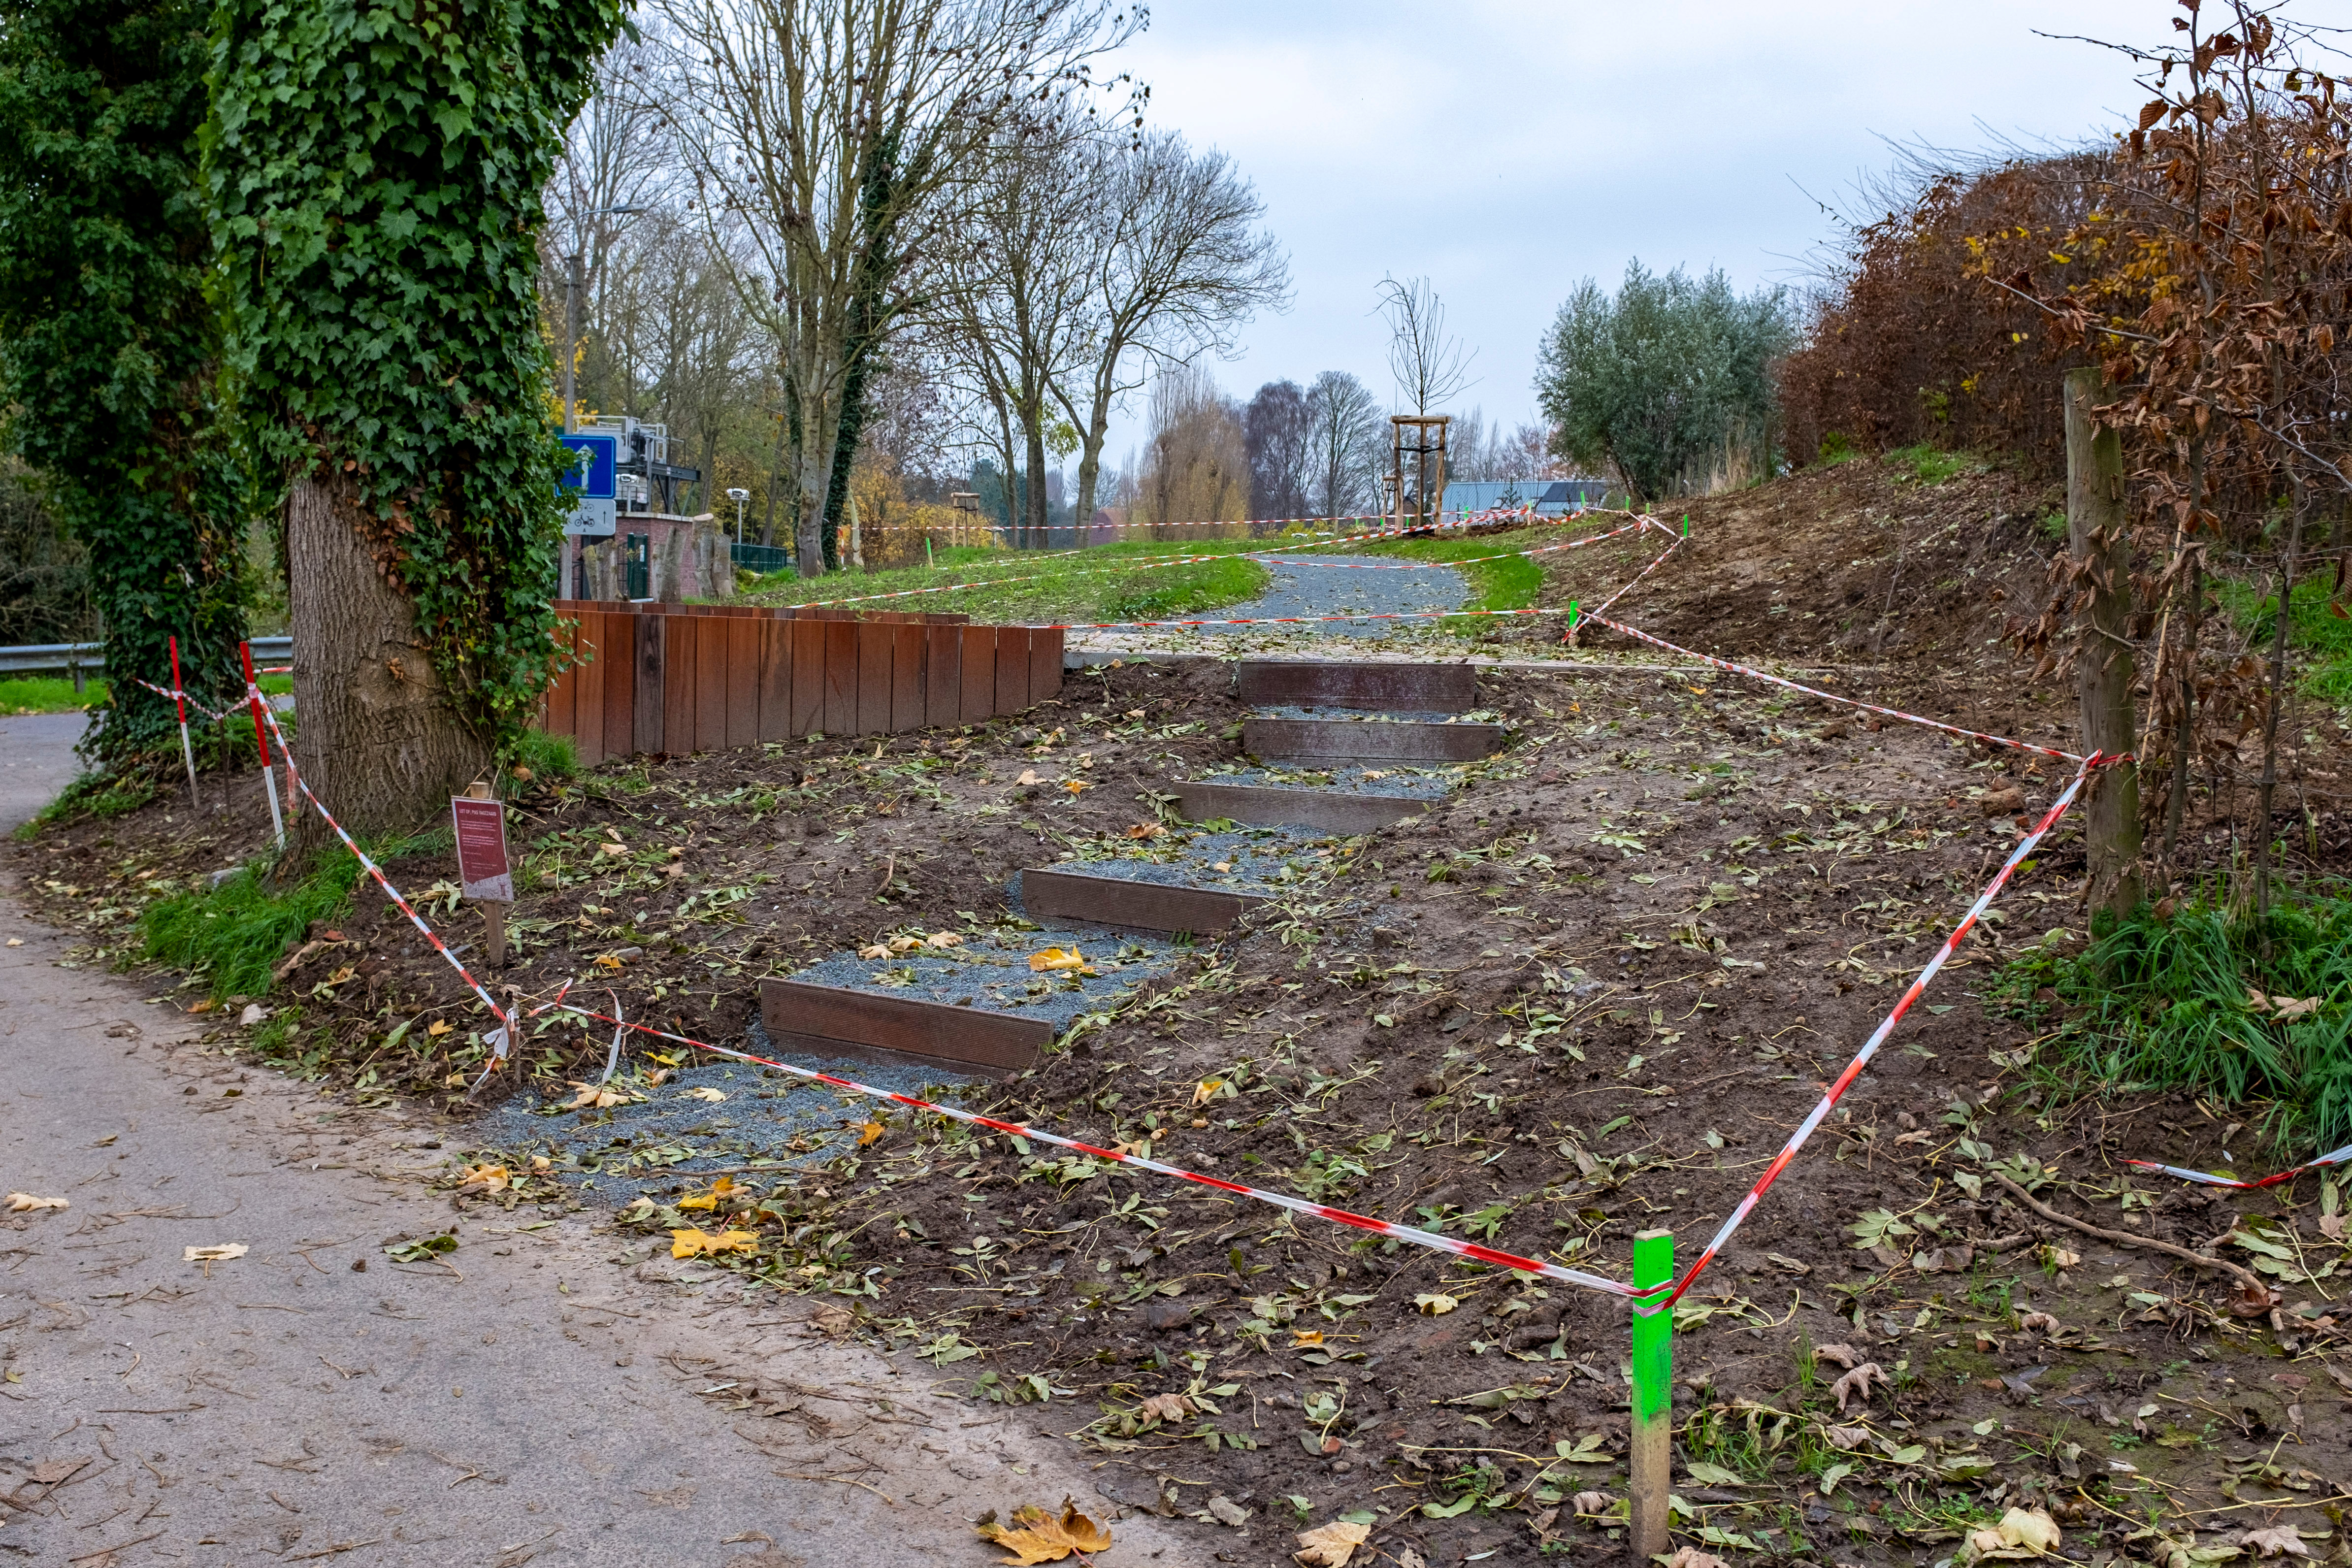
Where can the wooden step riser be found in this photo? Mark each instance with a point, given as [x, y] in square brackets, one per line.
[1342, 740]
[1055, 895]
[1378, 688]
[1328, 810]
[798, 1015]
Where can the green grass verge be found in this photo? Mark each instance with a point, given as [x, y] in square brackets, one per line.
[47, 694]
[1925, 465]
[2320, 641]
[1101, 583]
[2170, 1004]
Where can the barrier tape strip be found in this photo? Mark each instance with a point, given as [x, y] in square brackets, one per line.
[497, 1039]
[215, 714]
[1751, 670]
[1469, 1249]
[1854, 1070]
[1629, 587]
[2207, 1179]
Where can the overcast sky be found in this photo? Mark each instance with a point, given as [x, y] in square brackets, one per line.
[1508, 148]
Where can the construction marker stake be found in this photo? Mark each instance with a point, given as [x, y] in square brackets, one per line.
[179, 704]
[1653, 1456]
[2208, 1179]
[261, 742]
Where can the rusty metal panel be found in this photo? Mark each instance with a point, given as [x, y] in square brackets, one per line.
[906, 708]
[1045, 663]
[1053, 894]
[942, 675]
[1398, 688]
[616, 651]
[684, 639]
[743, 653]
[875, 650]
[840, 678]
[1012, 668]
[1333, 811]
[651, 673]
[808, 678]
[711, 679]
[559, 703]
[775, 639]
[961, 1039]
[1337, 740]
[979, 673]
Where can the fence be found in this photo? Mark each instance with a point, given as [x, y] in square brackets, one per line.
[676, 678]
[762, 558]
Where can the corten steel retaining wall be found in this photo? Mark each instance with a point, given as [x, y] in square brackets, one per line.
[675, 678]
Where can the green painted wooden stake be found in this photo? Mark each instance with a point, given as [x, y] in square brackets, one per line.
[1654, 1417]
[1572, 614]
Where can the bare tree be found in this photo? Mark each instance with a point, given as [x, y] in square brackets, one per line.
[835, 131]
[1430, 367]
[1279, 429]
[1178, 265]
[1346, 444]
[1196, 467]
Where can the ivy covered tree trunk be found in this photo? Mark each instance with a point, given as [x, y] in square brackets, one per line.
[375, 174]
[109, 349]
[371, 682]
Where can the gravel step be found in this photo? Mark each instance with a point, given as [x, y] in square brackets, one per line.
[1332, 811]
[1319, 683]
[1318, 740]
[1105, 898]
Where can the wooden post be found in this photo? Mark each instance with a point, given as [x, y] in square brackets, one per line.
[2098, 536]
[1653, 1454]
[494, 914]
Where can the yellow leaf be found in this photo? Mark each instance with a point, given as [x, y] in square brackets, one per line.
[612, 849]
[2022, 1532]
[715, 1096]
[438, 1028]
[339, 976]
[1036, 1536]
[1146, 830]
[692, 1243]
[1330, 1545]
[26, 1203]
[485, 1178]
[1056, 958]
[723, 1187]
[597, 1097]
[867, 1131]
[1075, 785]
[1435, 1304]
[216, 1254]
[605, 961]
[1207, 1090]
[904, 943]
[1303, 1338]
[670, 1061]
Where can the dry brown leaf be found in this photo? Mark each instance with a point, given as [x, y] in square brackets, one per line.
[1165, 1407]
[877, 951]
[1028, 776]
[1858, 1382]
[1692, 1557]
[1845, 1356]
[1434, 1303]
[1846, 1439]
[1305, 1338]
[597, 1097]
[2022, 1532]
[943, 939]
[2278, 1541]
[1207, 1090]
[2331, 1225]
[1036, 1536]
[1330, 1545]
[1590, 1505]
[2042, 1320]
[26, 1203]
[707, 1094]
[692, 1243]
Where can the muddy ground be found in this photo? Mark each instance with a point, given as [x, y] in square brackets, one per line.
[1590, 995]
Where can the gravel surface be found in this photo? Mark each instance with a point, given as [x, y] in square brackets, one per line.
[1336, 585]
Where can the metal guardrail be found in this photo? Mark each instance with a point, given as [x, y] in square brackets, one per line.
[76, 658]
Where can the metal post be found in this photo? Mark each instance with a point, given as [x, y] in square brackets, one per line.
[573, 282]
[1652, 1466]
[180, 702]
[261, 742]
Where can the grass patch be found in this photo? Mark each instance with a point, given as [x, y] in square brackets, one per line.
[1101, 583]
[1925, 465]
[2319, 640]
[49, 694]
[2170, 1004]
[544, 758]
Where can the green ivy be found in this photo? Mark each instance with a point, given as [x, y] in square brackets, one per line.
[109, 349]
[375, 174]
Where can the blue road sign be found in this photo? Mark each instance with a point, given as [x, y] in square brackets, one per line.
[596, 473]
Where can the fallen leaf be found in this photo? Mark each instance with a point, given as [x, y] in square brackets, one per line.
[904, 943]
[612, 849]
[867, 1131]
[2022, 1532]
[483, 1179]
[1857, 1382]
[2042, 1320]
[1692, 1557]
[1305, 1338]
[877, 951]
[1056, 958]
[1846, 1439]
[692, 1243]
[438, 1028]
[1028, 776]
[2331, 1225]
[1036, 1536]
[705, 1092]
[1225, 1511]
[218, 1253]
[1789, 1265]
[1331, 1546]
[339, 976]
[2060, 1258]
[1207, 1090]
[724, 1187]
[597, 1097]
[1146, 830]
[1075, 785]
[1165, 1407]
[254, 1012]
[943, 939]
[2278, 1541]
[26, 1203]
[1845, 1355]
[1589, 1505]
[1435, 1304]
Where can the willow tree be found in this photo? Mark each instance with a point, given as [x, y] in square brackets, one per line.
[108, 352]
[376, 173]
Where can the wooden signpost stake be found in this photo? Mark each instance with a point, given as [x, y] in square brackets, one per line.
[1654, 1417]
[484, 871]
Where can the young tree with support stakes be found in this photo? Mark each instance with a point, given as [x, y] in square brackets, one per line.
[376, 178]
[109, 350]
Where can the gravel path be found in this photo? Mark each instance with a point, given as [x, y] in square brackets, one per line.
[1346, 584]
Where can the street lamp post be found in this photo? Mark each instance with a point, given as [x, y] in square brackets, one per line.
[739, 497]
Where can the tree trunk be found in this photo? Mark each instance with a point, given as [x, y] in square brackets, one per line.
[775, 485]
[1032, 439]
[376, 741]
[2104, 659]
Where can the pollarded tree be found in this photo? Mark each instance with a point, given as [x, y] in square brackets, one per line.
[376, 175]
[107, 350]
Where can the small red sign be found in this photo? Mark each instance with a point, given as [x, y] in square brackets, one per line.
[482, 865]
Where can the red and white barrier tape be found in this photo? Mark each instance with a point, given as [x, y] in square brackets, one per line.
[1469, 1249]
[215, 714]
[2207, 1178]
[1821, 1112]
[1750, 671]
[497, 1039]
[1629, 587]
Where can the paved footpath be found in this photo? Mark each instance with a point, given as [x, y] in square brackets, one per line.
[527, 1402]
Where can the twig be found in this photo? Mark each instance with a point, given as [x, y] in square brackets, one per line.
[2245, 1275]
[844, 1481]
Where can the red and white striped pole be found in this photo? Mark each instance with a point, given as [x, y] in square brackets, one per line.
[180, 703]
[261, 739]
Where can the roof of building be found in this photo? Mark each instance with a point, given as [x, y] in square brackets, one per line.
[1548, 496]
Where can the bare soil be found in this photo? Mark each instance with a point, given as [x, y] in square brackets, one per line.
[1590, 995]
